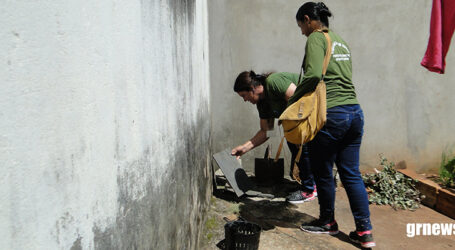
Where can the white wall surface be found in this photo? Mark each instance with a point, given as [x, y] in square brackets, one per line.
[102, 105]
[408, 110]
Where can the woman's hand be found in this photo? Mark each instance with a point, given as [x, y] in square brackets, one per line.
[258, 139]
[239, 151]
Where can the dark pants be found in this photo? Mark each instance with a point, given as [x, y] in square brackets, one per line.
[339, 142]
[305, 173]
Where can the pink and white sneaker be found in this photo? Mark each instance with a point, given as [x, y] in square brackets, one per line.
[300, 196]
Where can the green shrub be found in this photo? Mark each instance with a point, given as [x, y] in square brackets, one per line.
[447, 170]
[389, 187]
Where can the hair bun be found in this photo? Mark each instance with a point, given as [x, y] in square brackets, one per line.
[252, 74]
[323, 10]
[257, 77]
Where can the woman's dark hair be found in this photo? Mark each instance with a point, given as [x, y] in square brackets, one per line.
[315, 11]
[248, 79]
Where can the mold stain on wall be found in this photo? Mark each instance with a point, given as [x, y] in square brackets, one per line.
[161, 207]
[174, 210]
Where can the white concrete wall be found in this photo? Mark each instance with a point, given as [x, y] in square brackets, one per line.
[104, 124]
[408, 110]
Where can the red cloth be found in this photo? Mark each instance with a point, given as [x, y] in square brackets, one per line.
[442, 27]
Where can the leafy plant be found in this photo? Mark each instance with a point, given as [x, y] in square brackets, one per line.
[447, 170]
[389, 187]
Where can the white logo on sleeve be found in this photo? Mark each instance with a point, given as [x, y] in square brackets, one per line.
[341, 56]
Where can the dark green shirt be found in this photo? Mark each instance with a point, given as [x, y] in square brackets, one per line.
[275, 88]
[338, 79]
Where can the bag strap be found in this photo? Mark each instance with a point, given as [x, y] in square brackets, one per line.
[278, 152]
[328, 53]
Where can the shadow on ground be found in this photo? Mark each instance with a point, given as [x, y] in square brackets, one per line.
[270, 214]
[267, 213]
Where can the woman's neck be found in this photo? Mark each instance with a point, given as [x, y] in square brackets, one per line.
[317, 25]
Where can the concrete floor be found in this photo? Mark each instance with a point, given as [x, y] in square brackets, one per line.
[280, 222]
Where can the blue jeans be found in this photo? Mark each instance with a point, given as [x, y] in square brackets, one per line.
[305, 173]
[339, 142]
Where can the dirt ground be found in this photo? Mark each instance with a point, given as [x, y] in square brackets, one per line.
[280, 221]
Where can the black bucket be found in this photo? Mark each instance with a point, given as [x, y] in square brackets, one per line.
[241, 235]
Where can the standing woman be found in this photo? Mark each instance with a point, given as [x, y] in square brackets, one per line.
[339, 140]
[270, 93]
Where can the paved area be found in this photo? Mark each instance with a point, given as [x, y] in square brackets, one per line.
[280, 222]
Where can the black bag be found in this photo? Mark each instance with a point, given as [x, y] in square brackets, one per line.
[269, 171]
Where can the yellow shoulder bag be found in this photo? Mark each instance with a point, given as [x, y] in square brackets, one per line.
[303, 119]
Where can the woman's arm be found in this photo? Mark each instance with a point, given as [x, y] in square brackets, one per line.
[314, 53]
[258, 139]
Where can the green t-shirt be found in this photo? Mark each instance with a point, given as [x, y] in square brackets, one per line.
[338, 79]
[275, 88]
